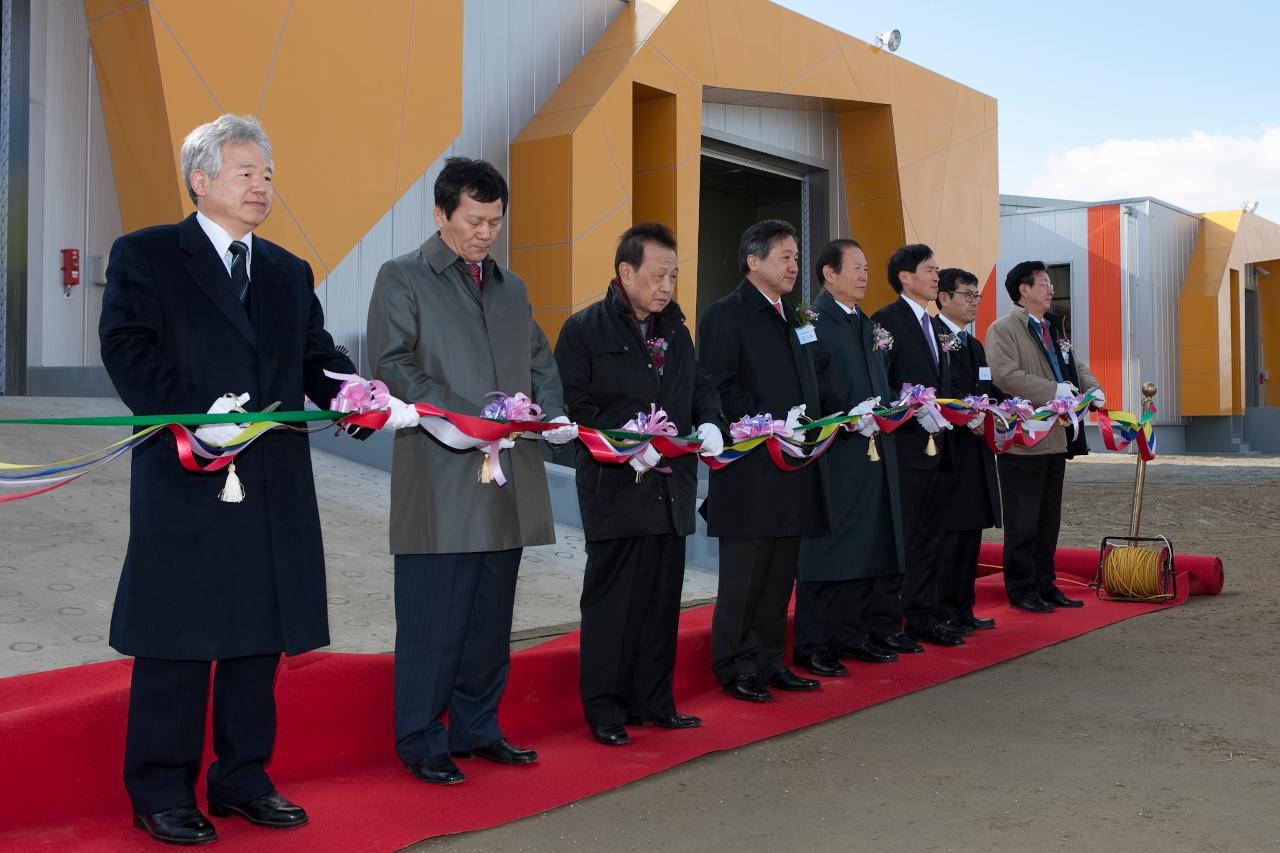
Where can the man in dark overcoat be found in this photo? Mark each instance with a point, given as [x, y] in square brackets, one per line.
[191, 312]
[970, 490]
[849, 578]
[754, 347]
[449, 326]
[618, 358]
[916, 358]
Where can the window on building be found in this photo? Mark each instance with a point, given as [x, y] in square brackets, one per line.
[1060, 275]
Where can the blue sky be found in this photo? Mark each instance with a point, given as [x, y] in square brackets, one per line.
[1098, 100]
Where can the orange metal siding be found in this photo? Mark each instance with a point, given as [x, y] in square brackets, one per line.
[1106, 329]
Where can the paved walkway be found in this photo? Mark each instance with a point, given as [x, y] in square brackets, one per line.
[60, 553]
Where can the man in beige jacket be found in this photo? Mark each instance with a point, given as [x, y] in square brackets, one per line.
[1030, 357]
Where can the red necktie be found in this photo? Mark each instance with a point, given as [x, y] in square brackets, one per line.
[476, 275]
[781, 313]
[1048, 339]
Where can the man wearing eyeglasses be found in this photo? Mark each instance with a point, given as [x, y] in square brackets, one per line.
[971, 493]
[1031, 358]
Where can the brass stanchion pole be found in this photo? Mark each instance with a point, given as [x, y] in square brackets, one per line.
[1139, 481]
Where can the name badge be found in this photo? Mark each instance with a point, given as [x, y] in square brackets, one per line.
[806, 334]
[984, 374]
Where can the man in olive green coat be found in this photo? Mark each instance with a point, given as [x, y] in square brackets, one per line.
[448, 326]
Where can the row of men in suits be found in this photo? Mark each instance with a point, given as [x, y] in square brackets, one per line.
[447, 325]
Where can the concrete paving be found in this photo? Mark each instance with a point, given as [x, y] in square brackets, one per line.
[60, 553]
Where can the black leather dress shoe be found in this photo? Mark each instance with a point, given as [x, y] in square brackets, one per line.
[866, 651]
[938, 636]
[821, 663]
[437, 770]
[1058, 599]
[1032, 603]
[270, 810]
[183, 825]
[677, 721]
[748, 688]
[899, 643]
[611, 735]
[958, 628]
[977, 623]
[785, 679]
[499, 752]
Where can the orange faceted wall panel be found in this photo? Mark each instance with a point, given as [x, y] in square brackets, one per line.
[917, 151]
[358, 102]
[987, 307]
[1106, 320]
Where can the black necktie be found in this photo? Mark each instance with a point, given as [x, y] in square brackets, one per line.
[240, 269]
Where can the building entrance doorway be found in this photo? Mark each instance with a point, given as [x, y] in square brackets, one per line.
[734, 194]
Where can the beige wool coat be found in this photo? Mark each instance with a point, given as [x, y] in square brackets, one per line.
[1019, 367]
[435, 338]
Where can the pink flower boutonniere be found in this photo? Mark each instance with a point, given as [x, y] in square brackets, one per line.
[805, 316]
[657, 348]
[949, 342]
[1064, 346]
[883, 340]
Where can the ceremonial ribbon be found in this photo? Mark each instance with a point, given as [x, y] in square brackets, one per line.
[1120, 429]
[357, 394]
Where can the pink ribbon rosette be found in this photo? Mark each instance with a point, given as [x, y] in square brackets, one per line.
[358, 395]
[504, 408]
[1065, 408]
[653, 423]
[765, 426]
[981, 404]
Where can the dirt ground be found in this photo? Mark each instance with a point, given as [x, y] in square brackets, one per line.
[1160, 733]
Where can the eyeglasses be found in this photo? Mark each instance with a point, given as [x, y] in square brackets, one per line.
[973, 297]
[1048, 285]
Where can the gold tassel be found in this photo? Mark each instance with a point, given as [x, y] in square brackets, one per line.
[486, 470]
[872, 453]
[232, 491]
[931, 449]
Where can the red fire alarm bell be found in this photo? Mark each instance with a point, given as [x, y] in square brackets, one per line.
[70, 269]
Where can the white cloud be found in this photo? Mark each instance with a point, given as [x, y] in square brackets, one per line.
[1199, 172]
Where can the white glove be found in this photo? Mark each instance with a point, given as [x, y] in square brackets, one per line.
[793, 417]
[925, 418]
[865, 425]
[403, 415]
[712, 440]
[645, 459]
[219, 434]
[506, 443]
[1099, 399]
[1065, 389]
[564, 434]
[978, 422]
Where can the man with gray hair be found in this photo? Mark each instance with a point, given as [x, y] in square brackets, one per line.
[203, 311]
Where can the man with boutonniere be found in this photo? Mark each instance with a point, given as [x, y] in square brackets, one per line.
[756, 351]
[627, 363]
[917, 358]
[848, 580]
[1031, 358]
[970, 490]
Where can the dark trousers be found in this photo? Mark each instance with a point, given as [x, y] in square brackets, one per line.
[164, 742]
[630, 615]
[453, 649]
[836, 615]
[749, 625]
[922, 535]
[1031, 498]
[959, 552]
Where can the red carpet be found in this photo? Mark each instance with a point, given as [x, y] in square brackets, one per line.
[62, 732]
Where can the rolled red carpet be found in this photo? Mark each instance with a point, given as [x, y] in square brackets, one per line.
[62, 733]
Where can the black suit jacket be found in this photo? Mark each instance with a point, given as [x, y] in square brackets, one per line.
[758, 365]
[910, 362]
[203, 579]
[971, 493]
[608, 377]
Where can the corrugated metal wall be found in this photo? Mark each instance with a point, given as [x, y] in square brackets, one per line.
[1156, 245]
[515, 54]
[72, 191]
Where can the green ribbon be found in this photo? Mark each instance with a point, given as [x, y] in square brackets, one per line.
[187, 420]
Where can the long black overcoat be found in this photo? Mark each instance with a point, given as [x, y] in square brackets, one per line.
[204, 579]
[971, 490]
[866, 519]
[758, 366]
[910, 362]
[608, 377]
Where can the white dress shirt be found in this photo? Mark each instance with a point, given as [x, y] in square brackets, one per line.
[221, 241]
